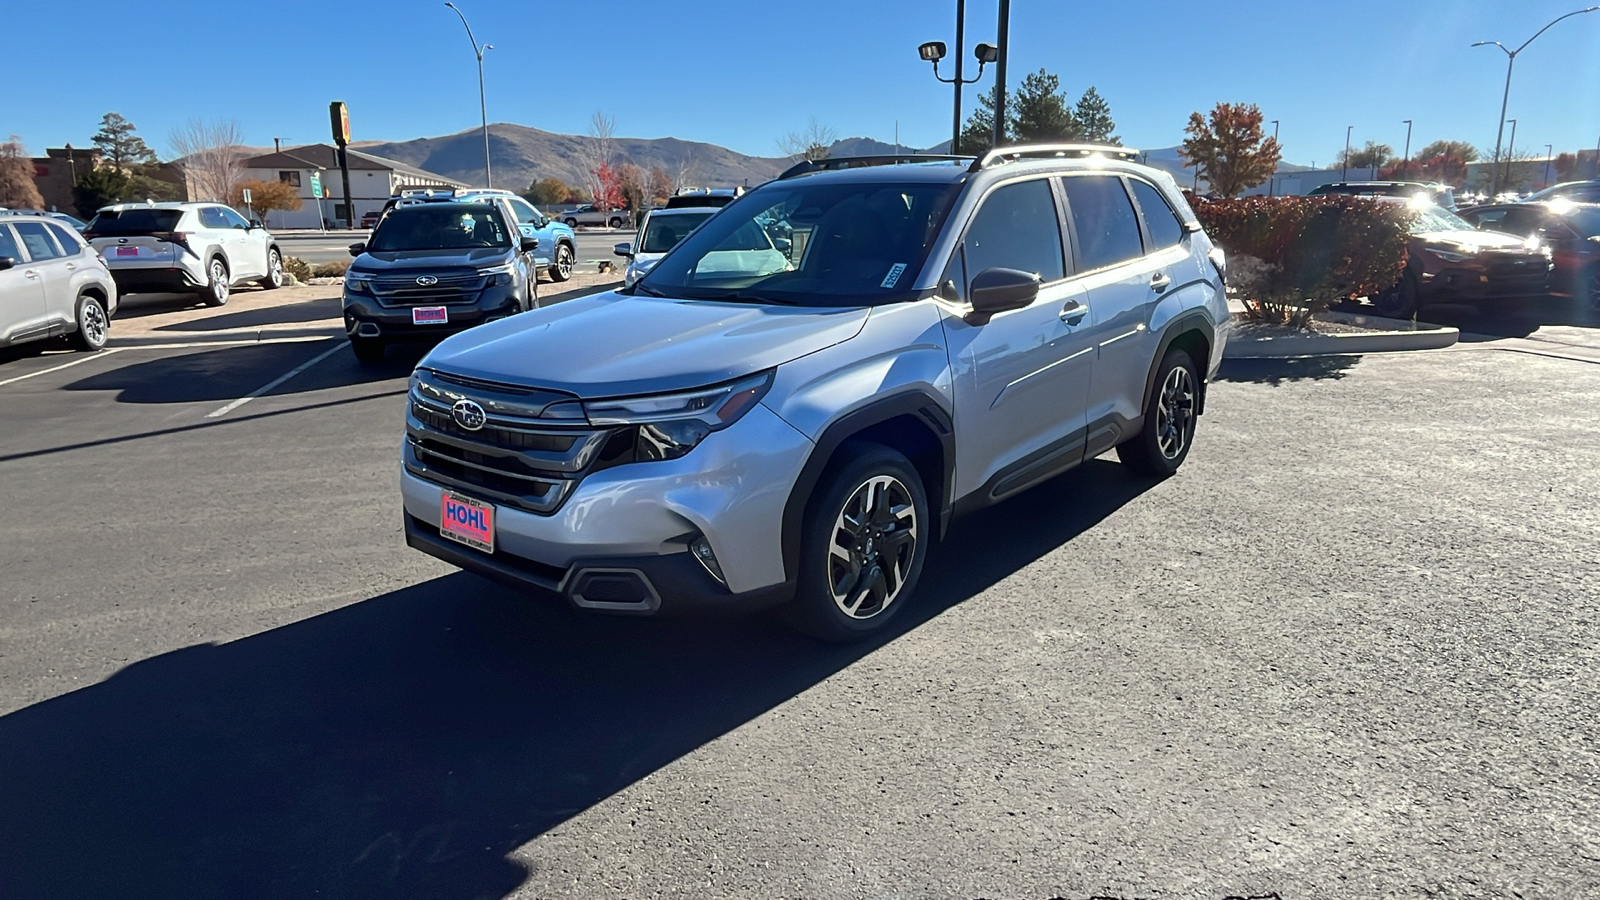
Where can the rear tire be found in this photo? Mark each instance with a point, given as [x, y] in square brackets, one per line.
[614, 223]
[368, 351]
[274, 277]
[219, 284]
[571, 223]
[1163, 443]
[865, 538]
[94, 326]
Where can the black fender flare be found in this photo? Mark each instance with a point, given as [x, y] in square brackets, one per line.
[915, 402]
[1182, 323]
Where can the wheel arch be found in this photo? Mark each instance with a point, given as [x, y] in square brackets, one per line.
[912, 423]
[1191, 332]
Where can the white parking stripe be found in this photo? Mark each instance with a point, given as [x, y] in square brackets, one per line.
[82, 359]
[337, 346]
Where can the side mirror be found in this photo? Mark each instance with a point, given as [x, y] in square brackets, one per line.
[541, 222]
[998, 290]
[623, 249]
[529, 244]
[7, 262]
[357, 249]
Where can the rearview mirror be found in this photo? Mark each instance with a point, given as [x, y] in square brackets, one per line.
[998, 290]
[357, 249]
[623, 249]
[529, 244]
[7, 262]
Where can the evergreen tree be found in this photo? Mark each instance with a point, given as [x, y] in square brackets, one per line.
[120, 146]
[101, 186]
[977, 136]
[1094, 119]
[1040, 114]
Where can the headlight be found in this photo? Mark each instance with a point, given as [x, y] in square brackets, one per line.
[357, 281]
[637, 271]
[496, 274]
[670, 425]
[1533, 244]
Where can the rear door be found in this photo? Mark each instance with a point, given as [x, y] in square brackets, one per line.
[246, 248]
[79, 264]
[22, 295]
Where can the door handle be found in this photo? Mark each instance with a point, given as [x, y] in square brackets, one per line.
[72, 267]
[1073, 312]
[1160, 282]
[29, 273]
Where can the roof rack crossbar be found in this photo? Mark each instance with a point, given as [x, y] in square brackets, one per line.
[1045, 151]
[834, 163]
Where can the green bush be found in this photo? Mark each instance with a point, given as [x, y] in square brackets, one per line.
[299, 268]
[1290, 257]
[330, 270]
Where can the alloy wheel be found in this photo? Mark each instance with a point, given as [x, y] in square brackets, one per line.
[1175, 412]
[873, 545]
[275, 268]
[94, 324]
[564, 262]
[219, 282]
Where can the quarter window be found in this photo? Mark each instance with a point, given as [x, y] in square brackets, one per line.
[1104, 220]
[1017, 228]
[69, 242]
[37, 239]
[1159, 219]
[211, 217]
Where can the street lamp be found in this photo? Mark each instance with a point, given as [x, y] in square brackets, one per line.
[933, 51]
[1344, 166]
[483, 108]
[1511, 148]
[1272, 184]
[1406, 159]
[1549, 156]
[1511, 60]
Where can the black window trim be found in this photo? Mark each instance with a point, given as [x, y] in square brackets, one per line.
[1144, 229]
[1144, 239]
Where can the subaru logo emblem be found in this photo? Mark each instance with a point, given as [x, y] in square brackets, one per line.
[468, 414]
[428, 281]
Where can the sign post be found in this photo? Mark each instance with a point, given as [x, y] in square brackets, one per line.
[339, 116]
[316, 191]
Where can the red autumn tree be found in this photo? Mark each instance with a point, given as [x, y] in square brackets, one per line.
[1230, 148]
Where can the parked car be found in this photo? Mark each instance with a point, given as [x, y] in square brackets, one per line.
[1448, 259]
[1440, 195]
[371, 217]
[52, 284]
[739, 429]
[662, 230]
[704, 197]
[433, 269]
[76, 223]
[589, 214]
[1570, 230]
[558, 245]
[207, 248]
[1575, 191]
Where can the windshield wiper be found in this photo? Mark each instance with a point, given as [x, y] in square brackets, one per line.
[737, 297]
[639, 288]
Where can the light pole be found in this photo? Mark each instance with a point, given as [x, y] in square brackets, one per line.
[1344, 165]
[1405, 160]
[1272, 185]
[933, 51]
[1004, 41]
[1511, 148]
[483, 108]
[1511, 60]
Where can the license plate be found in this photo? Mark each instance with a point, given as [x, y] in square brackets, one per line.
[430, 315]
[467, 521]
[127, 251]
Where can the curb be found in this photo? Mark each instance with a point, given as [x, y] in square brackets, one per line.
[1387, 335]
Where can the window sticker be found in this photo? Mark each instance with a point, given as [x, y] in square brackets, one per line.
[893, 276]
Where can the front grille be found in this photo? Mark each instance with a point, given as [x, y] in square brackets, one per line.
[403, 290]
[528, 454]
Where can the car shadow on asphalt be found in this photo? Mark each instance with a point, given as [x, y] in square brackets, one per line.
[405, 745]
[304, 311]
[133, 306]
[1276, 371]
[1508, 320]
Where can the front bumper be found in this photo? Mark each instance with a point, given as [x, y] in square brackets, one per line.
[731, 489]
[1502, 282]
[366, 318]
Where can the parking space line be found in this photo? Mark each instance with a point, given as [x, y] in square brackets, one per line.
[337, 346]
[83, 359]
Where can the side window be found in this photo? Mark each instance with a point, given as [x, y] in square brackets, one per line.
[69, 242]
[1159, 219]
[8, 245]
[233, 219]
[526, 214]
[1104, 220]
[953, 286]
[1017, 228]
[211, 217]
[1521, 222]
[36, 238]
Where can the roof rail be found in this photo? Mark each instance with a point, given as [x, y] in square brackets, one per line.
[834, 163]
[1046, 151]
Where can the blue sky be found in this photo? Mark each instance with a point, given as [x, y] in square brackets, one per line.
[742, 72]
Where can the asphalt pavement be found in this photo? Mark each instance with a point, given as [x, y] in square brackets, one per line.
[1348, 652]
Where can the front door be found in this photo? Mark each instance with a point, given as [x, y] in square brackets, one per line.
[1022, 378]
[22, 296]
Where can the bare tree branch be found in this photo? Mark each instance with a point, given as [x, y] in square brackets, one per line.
[811, 144]
[212, 155]
[597, 153]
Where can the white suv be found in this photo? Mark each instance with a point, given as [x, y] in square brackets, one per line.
[202, 247]
[52, 285]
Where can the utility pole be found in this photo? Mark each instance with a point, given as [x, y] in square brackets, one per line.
[1000, 75]
[1405, 161]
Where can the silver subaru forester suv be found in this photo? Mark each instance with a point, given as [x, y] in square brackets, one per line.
[793, 404]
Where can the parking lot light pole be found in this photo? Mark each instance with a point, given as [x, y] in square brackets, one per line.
[1272, 184]
[1344, 167]
[933, 51]
[1405, 160]
[1511, 60]
[1004, 40]
[1511, 147]
[483, 108]
[1549, 156]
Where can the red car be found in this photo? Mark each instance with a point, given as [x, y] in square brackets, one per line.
[370, 218]
[1570, 230]
[1448, 260]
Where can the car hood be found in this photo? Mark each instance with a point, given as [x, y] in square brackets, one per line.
[1473, 241]
[613, 344]
[429, 259]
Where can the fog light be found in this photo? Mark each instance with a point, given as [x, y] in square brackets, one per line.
[701, 548]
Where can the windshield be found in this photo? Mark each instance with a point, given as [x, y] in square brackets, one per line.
[134, 221]
[1587, 221]
[446, 227]
[662, 233]
[813, 244]
[1433, 218]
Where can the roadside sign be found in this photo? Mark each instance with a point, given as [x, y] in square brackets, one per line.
[316, 185]
[339, 115]
[246, 193]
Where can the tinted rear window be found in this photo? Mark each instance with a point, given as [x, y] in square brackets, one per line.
[135, 221]
[455, 226]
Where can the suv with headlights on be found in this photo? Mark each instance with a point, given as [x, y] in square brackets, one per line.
[431, 269]
[791, 405]
[1448, 259]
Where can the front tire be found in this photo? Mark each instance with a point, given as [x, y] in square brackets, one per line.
[274, 276]
[94, 326]
[561, 268]
[1400, 301]
[219, 286]
[864, 542]
[368, 351]
[571, 223]
[614, 223]
[1170, 414]
[1589, 290]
